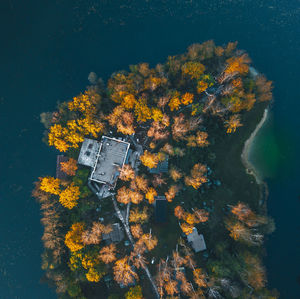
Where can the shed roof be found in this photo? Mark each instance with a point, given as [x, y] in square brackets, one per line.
[197, 240]
[162, 166]
[116, 235]
[160, 209]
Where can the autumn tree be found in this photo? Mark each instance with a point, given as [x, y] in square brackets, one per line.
[126, 173]
[171, 193]
[73, 238]
[179, 212]
[136, 230]
[158, 180]
[193, 69]
[134, 293]
[108, 253]
[69, 167]
[122, 120]
[139, 183]
[264, 88]
[139, 216]
[123, 272]
[197, 176]
[69, 197]
[233, 123]
[50, 185]
[200, 278]
[175, 173]
[149, 159]
[150, 195]
[157, 131]
[199, 140]
[148, 240]
[180, 127]
[123, 195]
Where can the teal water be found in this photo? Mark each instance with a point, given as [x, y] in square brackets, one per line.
[48, 49]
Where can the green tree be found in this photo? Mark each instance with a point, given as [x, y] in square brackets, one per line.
[134, 293]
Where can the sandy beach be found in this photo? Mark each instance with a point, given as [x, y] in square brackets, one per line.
[247, 148]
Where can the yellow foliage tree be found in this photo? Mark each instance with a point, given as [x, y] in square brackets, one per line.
[69, 197]
[187, 98]
[142, 111]
[50, 185]
[123, 272]
[193, 69]
[73, 238]
[149, 160]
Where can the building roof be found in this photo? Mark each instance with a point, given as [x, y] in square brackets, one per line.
[160, 209]
[196, 240]
[88, 152]
[105, 158]
[162, 166]
[116, 235]
[59, 173]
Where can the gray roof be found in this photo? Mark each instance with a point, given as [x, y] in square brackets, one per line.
[116, 235]
[105, 158]
[111, 157]
[88, 152]
[196, 240]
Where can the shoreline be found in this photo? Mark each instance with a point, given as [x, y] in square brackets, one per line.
[250, 169]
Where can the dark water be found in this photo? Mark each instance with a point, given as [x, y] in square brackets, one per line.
[48, 49]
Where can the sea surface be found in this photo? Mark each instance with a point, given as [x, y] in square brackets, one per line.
[47, 50]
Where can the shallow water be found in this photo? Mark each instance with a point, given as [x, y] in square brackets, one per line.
[48, 49]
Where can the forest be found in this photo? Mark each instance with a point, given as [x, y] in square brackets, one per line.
[194, 111]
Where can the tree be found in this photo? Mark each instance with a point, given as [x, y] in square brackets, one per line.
[126, 173]
[157, 131]
[171, 287]
[193, 69]
[142, 111]
[108, 253]
[73, 238]
[180, 127]
[197, 177]
[69, 197]
[173, 190]
[238, 64]
[201, 214]
[150, 195]
[149, 241]
[122, 120]
[139, 216]
[136, 197]
[136, 231]
[50, 185]
[187, 98]
[187, 228]
[134, 293]
[158, 180]
[149, 160]
[139, 183]
[175, 173]
[200, 278]
[69, 167]
[199, 140]
[93, 275]
[264, 88]
[123, 195]
[233, 123]
[123, 272]
[179, 212]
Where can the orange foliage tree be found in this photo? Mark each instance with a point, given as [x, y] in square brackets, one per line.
[171, 193]
[108, 253]
[69, 167]
[136, 230]
[139, 216]
[123, 272]
[126, 173]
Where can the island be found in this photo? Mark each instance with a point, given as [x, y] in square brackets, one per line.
[153, 195]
